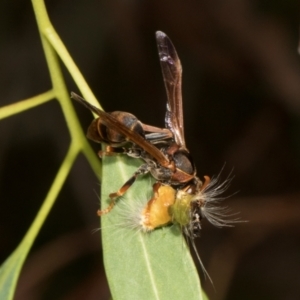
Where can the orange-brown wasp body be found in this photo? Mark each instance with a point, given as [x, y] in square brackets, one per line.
[179, 196]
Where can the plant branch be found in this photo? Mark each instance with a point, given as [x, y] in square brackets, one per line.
[23, 105]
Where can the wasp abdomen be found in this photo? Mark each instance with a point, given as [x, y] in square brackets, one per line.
[99, 132]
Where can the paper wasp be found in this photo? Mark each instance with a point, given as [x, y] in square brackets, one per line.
[179, 196]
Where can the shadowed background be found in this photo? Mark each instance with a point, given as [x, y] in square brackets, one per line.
[241, 93]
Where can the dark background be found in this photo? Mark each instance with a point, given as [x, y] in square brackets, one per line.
[241, 91]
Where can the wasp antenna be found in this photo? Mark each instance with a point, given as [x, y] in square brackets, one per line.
[206, 182]
[205, 273]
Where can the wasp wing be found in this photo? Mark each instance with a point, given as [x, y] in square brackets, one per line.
[172, 74]
[134, 137]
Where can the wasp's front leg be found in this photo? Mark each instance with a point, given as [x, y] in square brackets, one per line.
[142, 170]
[110, 151]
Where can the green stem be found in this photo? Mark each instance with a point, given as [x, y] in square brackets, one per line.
[48, 32]
[52, 44]
[23, 105]
[52, 193]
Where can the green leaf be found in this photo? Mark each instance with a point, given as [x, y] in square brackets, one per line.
[139, 265]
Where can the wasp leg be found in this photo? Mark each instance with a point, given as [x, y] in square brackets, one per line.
[143, 169]
[201, 187]
[110, 151]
